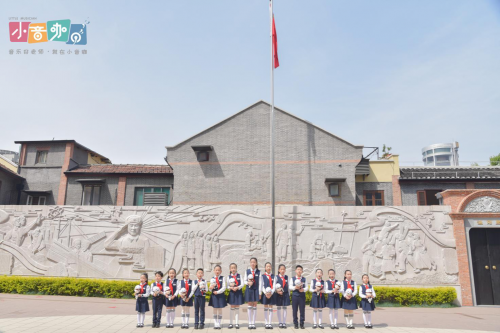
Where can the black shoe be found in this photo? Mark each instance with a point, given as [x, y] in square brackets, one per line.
[195, 326]
[230, 326]
[271, 327]
[321, 326]
[315, 326]
[202, 326]
[302, 326]
[284, 326]
[237, 326]
[336, 327]
[296, 327]
[370, 326]
[138, 325]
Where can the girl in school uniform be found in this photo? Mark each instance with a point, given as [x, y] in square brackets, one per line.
[282, 295]
[253, 291]
[318, 300]
[367, 294]
[186, 302]
[349, 303]
[158, 298]
[171, 293]
[142, 292]
[333, 302]
[217, 298]
[235, 297]
[268, 297]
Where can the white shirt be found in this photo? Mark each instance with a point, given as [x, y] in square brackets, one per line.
[147, 291]
[195, 286]
[363, 295]
[222, 288]
[291, 285]
[240, 284]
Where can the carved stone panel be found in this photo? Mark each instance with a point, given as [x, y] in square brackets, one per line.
[395, 245]
[484, 204]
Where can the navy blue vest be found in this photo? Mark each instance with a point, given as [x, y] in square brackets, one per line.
[221, 279]
[295, 291]
[284, 284]
[345, 285]
[322, 283]
[266, 281]
[174, 285]
[198, 292]
[363, 288]
[159, 285]
[183, 285]
[331, 285]
[255, 284]
[238, 279]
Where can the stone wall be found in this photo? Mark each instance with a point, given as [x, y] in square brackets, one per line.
[396, 246]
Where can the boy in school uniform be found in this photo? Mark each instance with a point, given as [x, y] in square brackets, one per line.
[158, 299]
[199, 300]
[297, 285]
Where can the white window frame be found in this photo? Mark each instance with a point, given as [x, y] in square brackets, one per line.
[29, 201]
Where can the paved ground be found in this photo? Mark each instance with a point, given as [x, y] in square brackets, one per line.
[25, 313]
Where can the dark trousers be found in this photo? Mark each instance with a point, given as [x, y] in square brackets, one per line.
[299, 303]
[158, 303]
[199, 310]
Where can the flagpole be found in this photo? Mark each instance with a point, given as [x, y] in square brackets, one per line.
[273, 221]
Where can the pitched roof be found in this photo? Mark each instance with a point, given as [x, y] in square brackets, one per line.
[275, 108]
[450, 172]
[10, 172]
[122, 169]
[65, 141]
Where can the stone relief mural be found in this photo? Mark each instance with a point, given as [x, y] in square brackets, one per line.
[395, 245]
[483, 205]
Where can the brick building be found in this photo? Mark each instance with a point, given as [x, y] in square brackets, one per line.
[10, 183]
[228, 163]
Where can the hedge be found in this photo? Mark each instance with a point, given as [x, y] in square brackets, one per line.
[404, 296]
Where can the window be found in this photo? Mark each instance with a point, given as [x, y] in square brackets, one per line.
[334, 189]
[442, 150]
[428, 197]
[202, 156]
[35, 200]
[91, 195]
[140, 191]
[373, 198]
[41, 156]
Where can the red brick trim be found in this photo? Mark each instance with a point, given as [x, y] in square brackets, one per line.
[463, 261]
[68, 154]
[396, 191]
[22, 158]
[122, 185]
[477, 194]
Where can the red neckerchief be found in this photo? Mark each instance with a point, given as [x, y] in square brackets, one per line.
[217, 280]
[333, 283]
[349, 284]
[235, 279]
[142, 288]
[186, 285]
[366, 287]
[270, 280]
[253, 272]
[158, 284]
[199, 285]
[170, 285]
[284, 281]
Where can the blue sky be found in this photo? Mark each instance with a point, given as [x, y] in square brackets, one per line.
[404, 73]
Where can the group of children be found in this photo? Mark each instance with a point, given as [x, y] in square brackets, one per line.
[268, 289]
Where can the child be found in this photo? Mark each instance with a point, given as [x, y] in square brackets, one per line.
[142, 305]
[349, 303]
[186, 301]
[318, 301]
[199, 290]
[268, 298]
[367, 294]
[171, 297]
[297, 284]
[235, 297]
[158, 298]
[217, 298]
[282, 295]
[333, 302]
[252, 292]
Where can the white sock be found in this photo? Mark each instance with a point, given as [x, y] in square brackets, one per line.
[330, 315]
[250, 315]
[364, 317]
[172, 316]
[231, 313]
[236, 315]
[284, 315]
[278, 312]
[265, 315]
[220, 317]
[143, 317]
[138, 317]
[369, 315]
[315, 316]
[270, 313]
[320, 316]
[351, 318]
[346, 316]
[215, 318]
[254, 315]
[335, 316]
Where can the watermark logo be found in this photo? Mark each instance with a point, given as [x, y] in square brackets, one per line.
[53, 31]
[58, 31]
[19, 31]
[78, 34]
[37, 33]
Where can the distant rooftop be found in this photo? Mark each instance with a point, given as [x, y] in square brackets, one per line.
[10, 172]
[450, 172]
[122, 169]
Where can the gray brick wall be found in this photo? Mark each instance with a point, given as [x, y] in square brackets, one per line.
[42, 179]
[108, 189]
[8, 190]
[486, 186]
[80, 156]
[145, 181]
[369, 186]
[238, 171]
[409, 190]
[55, 156]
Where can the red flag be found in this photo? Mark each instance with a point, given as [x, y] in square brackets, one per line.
[275, 46]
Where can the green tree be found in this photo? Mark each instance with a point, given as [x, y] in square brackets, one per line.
[495, 160]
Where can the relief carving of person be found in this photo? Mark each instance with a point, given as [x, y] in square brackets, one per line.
[19, 231]
[388, 253]
[215, 256]
[191, 250]
[132, 243]
[368, 250]
[282, 242]
[198, 245]
[207, 253]
[422, 258]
